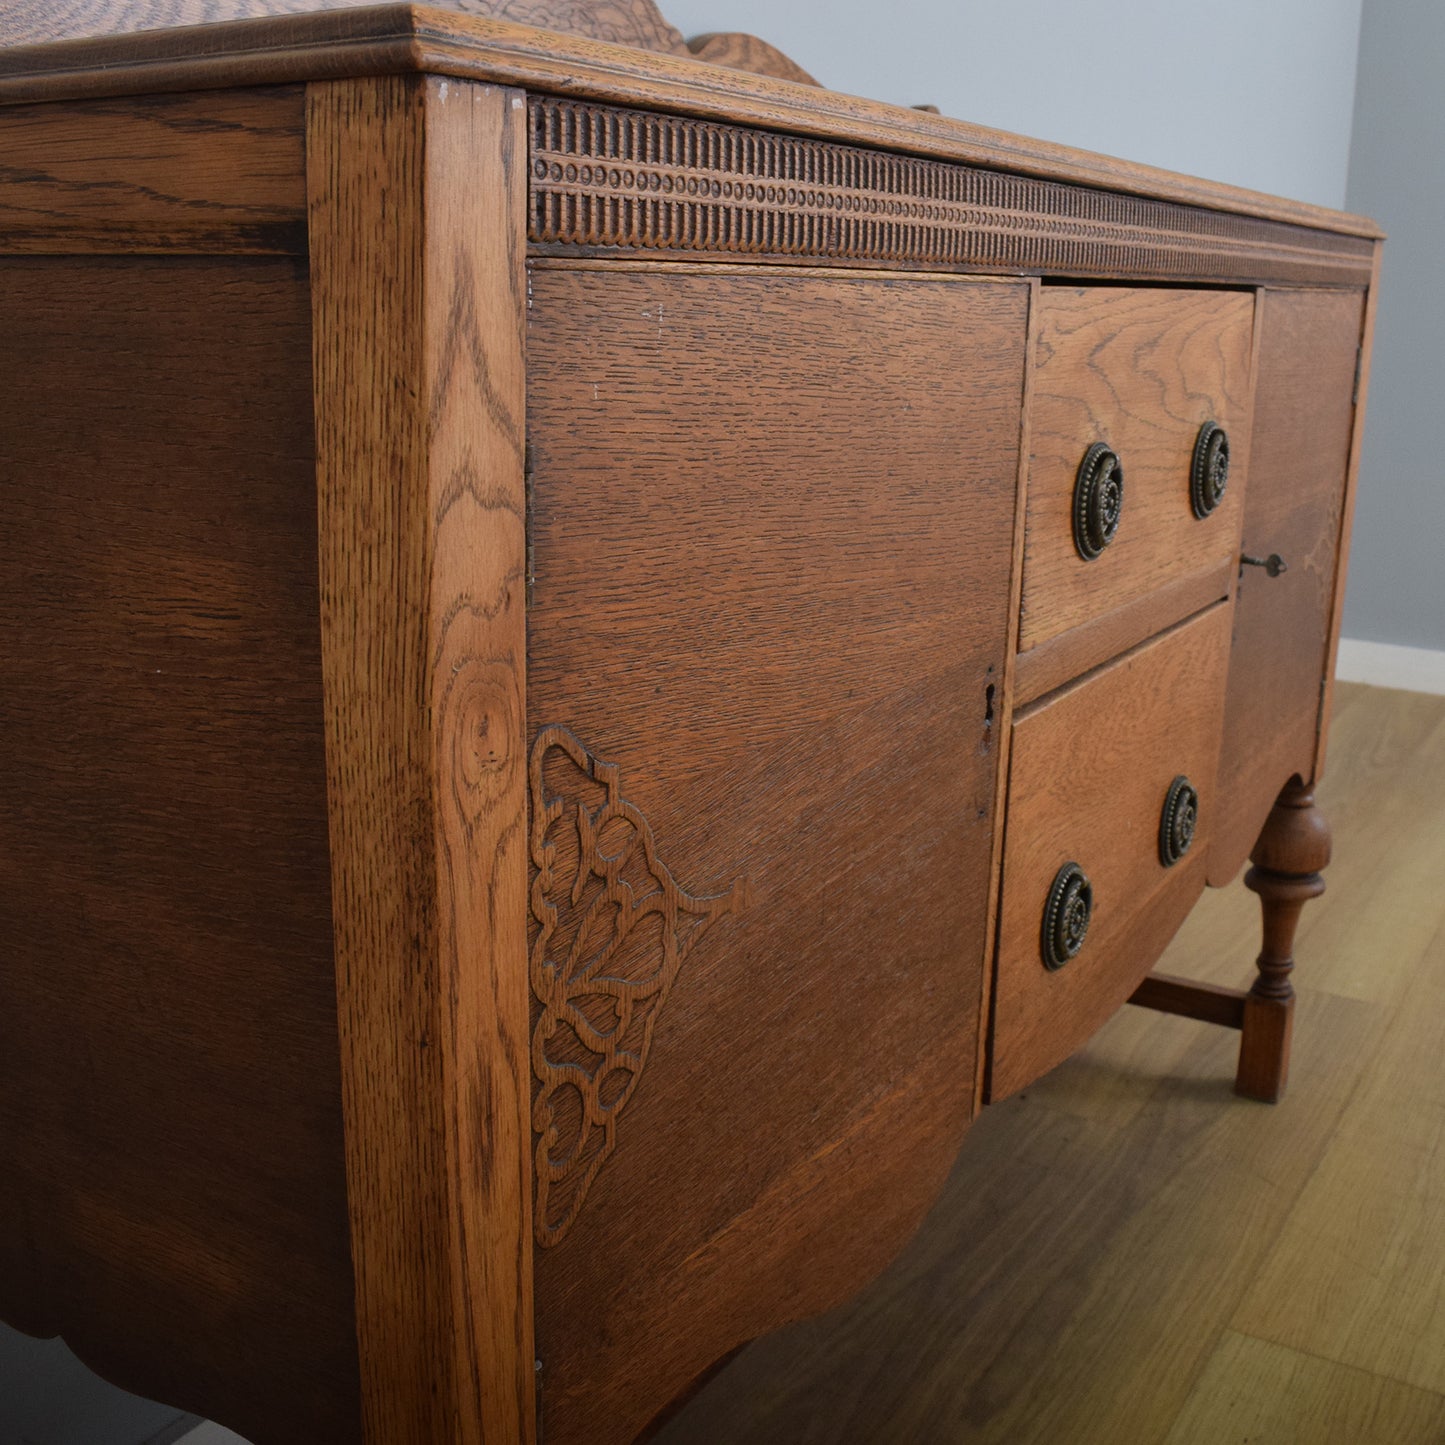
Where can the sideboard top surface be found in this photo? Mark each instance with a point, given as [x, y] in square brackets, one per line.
[402, 38]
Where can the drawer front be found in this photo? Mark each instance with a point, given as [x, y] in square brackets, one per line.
[1092, 771]
[1132, 375]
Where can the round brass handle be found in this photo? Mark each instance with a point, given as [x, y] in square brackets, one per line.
[1209, 471]
[1098, 500]
[1066, 915]
[1178, 821]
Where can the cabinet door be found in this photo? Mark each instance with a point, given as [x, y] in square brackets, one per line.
[772, 523]
[1304, 412]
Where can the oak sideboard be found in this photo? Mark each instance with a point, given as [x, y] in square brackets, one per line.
[600, 645]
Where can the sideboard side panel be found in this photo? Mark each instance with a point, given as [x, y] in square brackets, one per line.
[172, 1180]
[1304, 417]
[773, 519]
[417, 227]
[214, 172]
[1347, 524]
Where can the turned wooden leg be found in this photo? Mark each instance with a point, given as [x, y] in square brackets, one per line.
[1287, 859]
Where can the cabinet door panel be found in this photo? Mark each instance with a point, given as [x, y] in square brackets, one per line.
[1303, 417]
[771, 526]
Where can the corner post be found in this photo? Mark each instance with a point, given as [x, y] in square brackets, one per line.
[417, 214]
[1293, 848]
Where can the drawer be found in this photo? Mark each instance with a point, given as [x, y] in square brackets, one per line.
[1092, 770]
[1135, 375]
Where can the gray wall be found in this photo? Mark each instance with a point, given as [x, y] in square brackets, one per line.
[1258, 93]
[1254, 92]
[1397, 175]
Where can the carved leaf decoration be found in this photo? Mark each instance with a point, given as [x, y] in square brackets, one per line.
[612, 930]
[739, 51]
[620, 22]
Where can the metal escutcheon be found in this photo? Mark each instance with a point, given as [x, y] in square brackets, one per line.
[1098, 500]
[1209, 472]
[1066, 915]
[1178, 821]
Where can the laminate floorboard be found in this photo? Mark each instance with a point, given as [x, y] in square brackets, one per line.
[1128, 1253]
[1267, 1395]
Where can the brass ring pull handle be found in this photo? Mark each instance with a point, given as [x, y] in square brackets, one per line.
[1098, 500]
[1178, 821]
[1274, 564]
[1066, 915]
[1209, 471]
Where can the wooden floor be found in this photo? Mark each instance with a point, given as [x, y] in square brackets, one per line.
[1129, 1255]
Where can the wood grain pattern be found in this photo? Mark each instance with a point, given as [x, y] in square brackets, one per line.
[1141, 371]
[1267, 1395]
[403, 38]
[1052, 663]
[1100, 1231]
[1006, 700]
[621, 22]
[1383, 851]
[747, 52]
[1352, 474]
[1353, 1275]
[604, 178]
[419, 404]
[778, 606]
[778, 566]
[173, 1197]
[612, 930]
[1304, 418]
[1090, 771]
[1359, 1253]
[1292, 851]
[1072, 1283]
[222, 172]
[1205, 1001]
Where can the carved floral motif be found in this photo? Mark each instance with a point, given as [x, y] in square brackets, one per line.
[612, 930]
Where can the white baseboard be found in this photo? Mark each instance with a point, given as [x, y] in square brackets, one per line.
[1384, 664]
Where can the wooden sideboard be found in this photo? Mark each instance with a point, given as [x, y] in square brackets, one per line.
[598, 649]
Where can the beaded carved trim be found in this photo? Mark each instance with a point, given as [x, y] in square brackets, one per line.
[604, 177]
